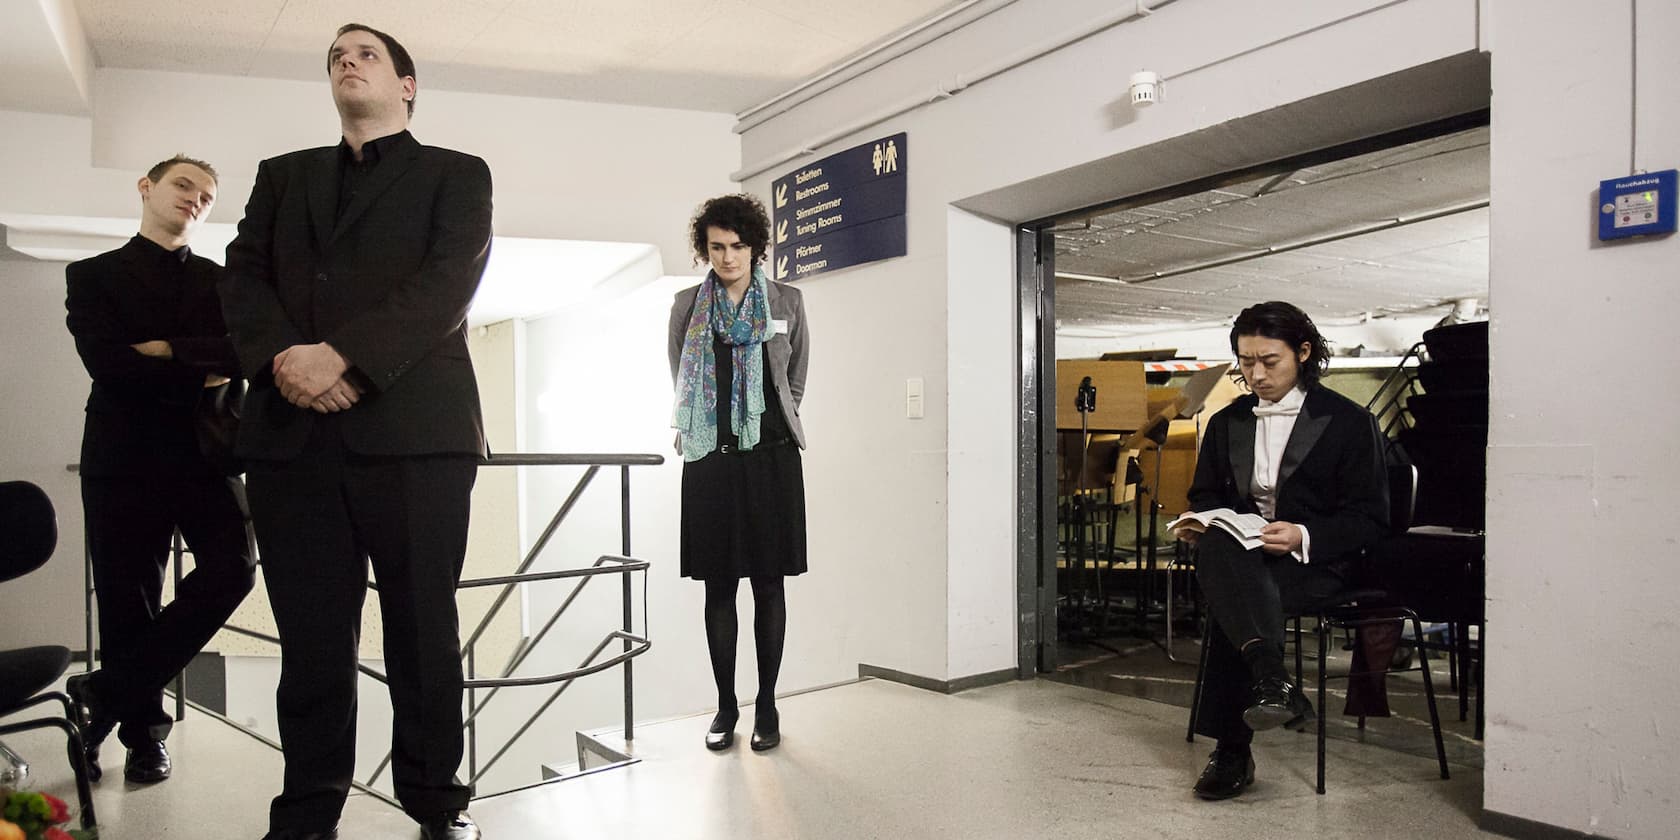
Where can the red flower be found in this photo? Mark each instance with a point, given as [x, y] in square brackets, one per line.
[60, 811]
[56, 834]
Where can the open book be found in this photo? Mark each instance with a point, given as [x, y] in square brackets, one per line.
[1244, 526]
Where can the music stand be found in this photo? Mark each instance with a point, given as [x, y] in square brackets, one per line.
[1085, 402]
[1186, 405]
[1194, 396]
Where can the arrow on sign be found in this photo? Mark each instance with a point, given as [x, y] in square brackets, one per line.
[781, 269]
[781, 232]
[781, 196]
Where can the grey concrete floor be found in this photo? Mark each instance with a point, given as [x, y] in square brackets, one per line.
[873, 759]
[1139, 668]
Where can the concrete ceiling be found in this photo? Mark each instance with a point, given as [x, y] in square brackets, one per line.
[1223, 249]
[711, 55]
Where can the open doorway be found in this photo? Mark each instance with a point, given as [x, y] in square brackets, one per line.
[1378, 240]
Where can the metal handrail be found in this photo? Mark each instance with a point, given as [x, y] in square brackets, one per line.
[584, 669]
[526, 647]
[634, 645]
[1387, 404]
[623, 564]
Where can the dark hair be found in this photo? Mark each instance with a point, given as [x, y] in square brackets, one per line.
[156, 173]
[1288, 324]
[741, 214]
[400, 59]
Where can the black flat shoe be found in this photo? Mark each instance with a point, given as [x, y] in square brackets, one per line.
[147, 764]
[722, 734]
[1277, 703]
[92, 718]
[295, 834]
[767, 731]
[1226, 774]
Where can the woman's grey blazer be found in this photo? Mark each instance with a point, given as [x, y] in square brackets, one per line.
[787, 346]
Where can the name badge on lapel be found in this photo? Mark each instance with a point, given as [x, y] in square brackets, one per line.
[778, 326]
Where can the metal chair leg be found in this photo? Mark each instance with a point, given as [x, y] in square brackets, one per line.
[14, 769]
[1481, 682]
[1429, 695]
[1299, 668]
[1323, 654]
[74, 751]
[1452, 657]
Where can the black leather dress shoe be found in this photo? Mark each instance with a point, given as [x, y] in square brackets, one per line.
[1277, 702]
[1226, 774]
[297, 834]
[456, 826]
[721, 735]
[1304, 713]
[93, 719]
[147, 764]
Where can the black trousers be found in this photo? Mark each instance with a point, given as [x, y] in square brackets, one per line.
[1249, 595]
[321, 519]
[145, 643]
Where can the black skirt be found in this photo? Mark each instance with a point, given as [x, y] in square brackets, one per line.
[743, 513]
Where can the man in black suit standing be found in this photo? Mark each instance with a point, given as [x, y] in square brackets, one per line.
[149, 329]
[346, 294]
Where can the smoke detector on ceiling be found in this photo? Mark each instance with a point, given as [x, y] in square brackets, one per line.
[1146, 88]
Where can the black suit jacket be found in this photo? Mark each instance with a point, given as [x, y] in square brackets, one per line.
[386, 283]
[139, 410]
[1332, 480]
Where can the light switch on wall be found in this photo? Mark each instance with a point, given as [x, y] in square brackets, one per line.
[913, 398]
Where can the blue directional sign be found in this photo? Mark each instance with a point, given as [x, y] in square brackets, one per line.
[844, 210]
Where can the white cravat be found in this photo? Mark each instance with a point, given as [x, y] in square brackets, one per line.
[1274, 421]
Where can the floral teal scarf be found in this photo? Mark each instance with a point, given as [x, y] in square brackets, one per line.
[745, 330]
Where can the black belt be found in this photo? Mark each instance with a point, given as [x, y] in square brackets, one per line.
[734, 449]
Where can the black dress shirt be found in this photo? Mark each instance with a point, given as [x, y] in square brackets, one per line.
[353, 173]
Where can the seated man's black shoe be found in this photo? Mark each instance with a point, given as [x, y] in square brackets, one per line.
[147, 764]
[1228, 771]
[299, 834]
[1304, 714]
[93, 719]
[767, 731]
[456, 826]
[721, 735]
[1277, 702]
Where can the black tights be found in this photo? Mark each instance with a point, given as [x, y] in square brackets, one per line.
[769, 631]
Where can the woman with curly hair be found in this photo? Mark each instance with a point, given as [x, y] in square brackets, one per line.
[738, 355]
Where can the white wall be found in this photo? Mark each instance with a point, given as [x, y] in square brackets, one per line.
[1582, 562]
[980, 589]
[45, 390]
[595, 381]
[1067, 109]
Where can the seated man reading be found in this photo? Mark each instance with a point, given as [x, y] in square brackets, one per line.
[1309, 461]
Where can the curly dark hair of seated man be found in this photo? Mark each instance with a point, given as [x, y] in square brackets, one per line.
[1288, 324]
[742, 215]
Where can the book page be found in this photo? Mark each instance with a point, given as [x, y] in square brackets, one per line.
[1202, 518]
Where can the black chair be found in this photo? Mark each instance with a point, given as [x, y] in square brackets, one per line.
[1352, 609]
[28, 534]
